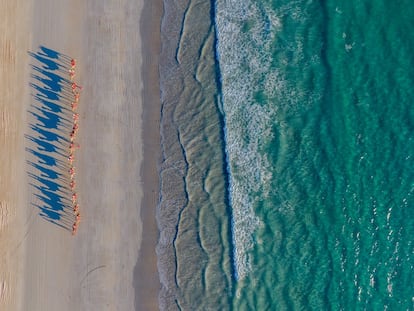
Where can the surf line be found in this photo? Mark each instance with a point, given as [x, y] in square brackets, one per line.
[228, 178]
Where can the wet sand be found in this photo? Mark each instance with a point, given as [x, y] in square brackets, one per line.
[145, 268]
[110, 264]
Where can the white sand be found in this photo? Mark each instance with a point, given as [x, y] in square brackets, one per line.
[42, 266]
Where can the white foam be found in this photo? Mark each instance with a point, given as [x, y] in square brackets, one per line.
[245, 59]
[245, 121]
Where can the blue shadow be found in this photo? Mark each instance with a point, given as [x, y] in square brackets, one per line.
[49, 119]
[43, 145]
[52, 217]
[48, 160]
[47, 135]
[46, 52]
[45, 172]
[50, 105]
[46, 122]
[48, 184]
[52, 85]
[50, 74]
[45, 93]
[48, 63]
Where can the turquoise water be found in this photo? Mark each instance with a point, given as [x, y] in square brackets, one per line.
[287, 178]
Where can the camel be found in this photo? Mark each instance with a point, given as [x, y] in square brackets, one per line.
[77, 96]
[74, 228]
[72, 147]
[74, 197]
[72, 173]
[72, 136]
[71, 74]
[75, 86]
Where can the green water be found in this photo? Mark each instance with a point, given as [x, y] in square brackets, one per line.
[287, 180]
[336, 226]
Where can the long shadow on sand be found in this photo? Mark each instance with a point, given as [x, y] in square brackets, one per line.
[48, 136]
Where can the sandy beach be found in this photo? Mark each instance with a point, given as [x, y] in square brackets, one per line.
[110, 264]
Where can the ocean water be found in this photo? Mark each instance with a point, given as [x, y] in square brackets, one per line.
[287, 176]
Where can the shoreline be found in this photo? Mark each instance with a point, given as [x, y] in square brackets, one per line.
[146, 266]
[193, 249]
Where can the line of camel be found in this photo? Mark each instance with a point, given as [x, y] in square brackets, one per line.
[73, 146]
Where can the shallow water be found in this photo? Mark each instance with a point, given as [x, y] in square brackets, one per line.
[193, 216]
[287, 180]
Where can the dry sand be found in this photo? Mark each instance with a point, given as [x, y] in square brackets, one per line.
[110, 264]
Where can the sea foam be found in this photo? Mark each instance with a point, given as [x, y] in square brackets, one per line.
[254, 92]
[245, 58]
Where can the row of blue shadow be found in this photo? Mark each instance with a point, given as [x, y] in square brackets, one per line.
[49, 136]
